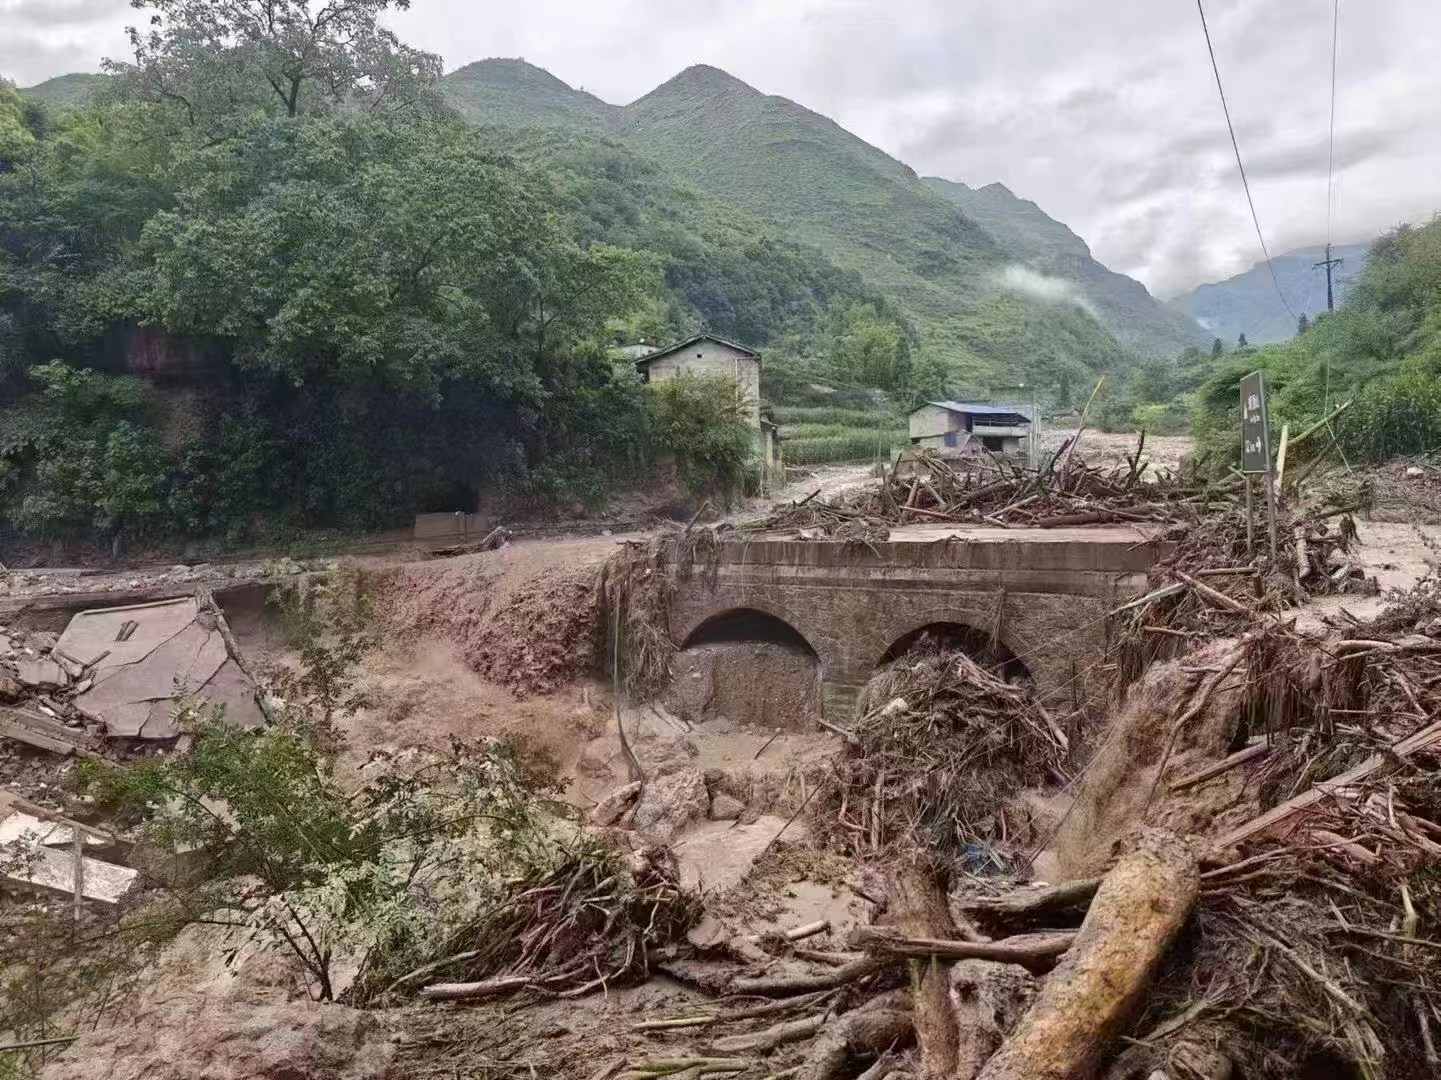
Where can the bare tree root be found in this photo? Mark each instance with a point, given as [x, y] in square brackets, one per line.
[880, 1025]
[1138, 910]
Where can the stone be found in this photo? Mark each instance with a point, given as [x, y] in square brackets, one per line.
[718, 855]
[1415, 470]
[725, 807]
[671, 802]
[10, 690]
[609, 810]
[43, 674]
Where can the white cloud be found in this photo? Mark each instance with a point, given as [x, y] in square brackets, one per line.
[1050, 290]
[1104, 114]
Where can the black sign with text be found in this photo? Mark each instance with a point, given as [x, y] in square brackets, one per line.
[1255, 426]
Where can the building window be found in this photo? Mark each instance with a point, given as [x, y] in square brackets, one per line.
[993, 443]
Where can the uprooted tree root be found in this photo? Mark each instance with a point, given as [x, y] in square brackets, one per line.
[588, 924]
[939, 744]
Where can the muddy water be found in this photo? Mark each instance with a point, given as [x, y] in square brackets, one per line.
[749, 685]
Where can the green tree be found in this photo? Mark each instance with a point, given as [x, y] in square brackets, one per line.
[1241, 342]
[209, 62]
[1217, 349]
[80, 455]
[703, 424]
[1302, 324]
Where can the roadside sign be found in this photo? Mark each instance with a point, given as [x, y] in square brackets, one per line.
[1255, 425]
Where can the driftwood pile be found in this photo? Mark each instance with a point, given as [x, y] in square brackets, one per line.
[939, 743]
[996, 491]
[590, 924]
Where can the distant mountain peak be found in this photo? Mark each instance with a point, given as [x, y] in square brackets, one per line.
[699, 81]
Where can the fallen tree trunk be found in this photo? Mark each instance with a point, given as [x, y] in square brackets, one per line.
[1034, 952]
[918, 899]
[783, 985]
[880, 1025]
[1031, 907]
[1138, 910]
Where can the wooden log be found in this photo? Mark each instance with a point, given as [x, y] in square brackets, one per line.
[918, 899]
[879, 1025]
[1251, 753]
[777, 1035]
[1279, 816]
[1034, 952]
[783, 985]
[988, 999]
[1030, 907]
[1137, 912]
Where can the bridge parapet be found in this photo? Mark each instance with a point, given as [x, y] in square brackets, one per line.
[1043, 594]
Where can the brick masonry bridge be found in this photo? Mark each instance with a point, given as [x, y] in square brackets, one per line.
[1042, 594]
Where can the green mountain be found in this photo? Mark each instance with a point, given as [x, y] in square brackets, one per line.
[517, 94]
[962, 279]
[1047, 246]
[74, 89]
[1248, 303]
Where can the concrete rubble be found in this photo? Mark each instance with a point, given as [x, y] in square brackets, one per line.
[115, 672]
[37, 852]
[137, 658]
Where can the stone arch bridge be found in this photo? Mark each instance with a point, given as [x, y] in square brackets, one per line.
[1043, 594]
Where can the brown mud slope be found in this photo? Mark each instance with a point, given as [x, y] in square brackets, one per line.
[526, 617]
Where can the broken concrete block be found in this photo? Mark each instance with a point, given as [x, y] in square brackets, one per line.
[670, 802]
[725, 807]
[10, 690]
[43, 674]
[719, 854]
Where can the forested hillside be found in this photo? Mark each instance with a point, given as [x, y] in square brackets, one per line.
[1047, 246]
[1381, 350]
[267, 284]
[808, 178]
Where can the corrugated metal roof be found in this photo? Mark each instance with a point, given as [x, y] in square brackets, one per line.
[982, 410]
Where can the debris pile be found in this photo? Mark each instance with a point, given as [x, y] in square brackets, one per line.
[938, 745]
[999, 492]
[586, 925]
[114, 673]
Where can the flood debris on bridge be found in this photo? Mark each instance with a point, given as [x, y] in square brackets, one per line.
[1230, 868]
[1247, 849]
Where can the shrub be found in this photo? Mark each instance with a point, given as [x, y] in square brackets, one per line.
[1396, 414]
[701, 421]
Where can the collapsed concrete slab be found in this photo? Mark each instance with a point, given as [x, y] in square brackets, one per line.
[138, 658]
[40, 854]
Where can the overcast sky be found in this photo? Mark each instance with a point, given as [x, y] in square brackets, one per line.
[1105, 113]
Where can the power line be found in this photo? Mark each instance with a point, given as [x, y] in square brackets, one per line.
[1331, 160]
[1245, 183]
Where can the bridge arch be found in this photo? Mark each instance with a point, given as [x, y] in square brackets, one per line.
[744, 623]
[947, 630]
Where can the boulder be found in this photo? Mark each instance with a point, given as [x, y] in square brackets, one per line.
[725, 807]
[670, 802]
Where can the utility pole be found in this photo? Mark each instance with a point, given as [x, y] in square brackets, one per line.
[1328, 263]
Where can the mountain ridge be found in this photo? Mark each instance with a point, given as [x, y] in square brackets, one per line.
[1247, 303]
[872, 213]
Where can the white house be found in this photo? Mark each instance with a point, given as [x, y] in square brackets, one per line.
[706, 354]
[961, 428]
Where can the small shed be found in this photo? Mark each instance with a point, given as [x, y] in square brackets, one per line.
[959, 428]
